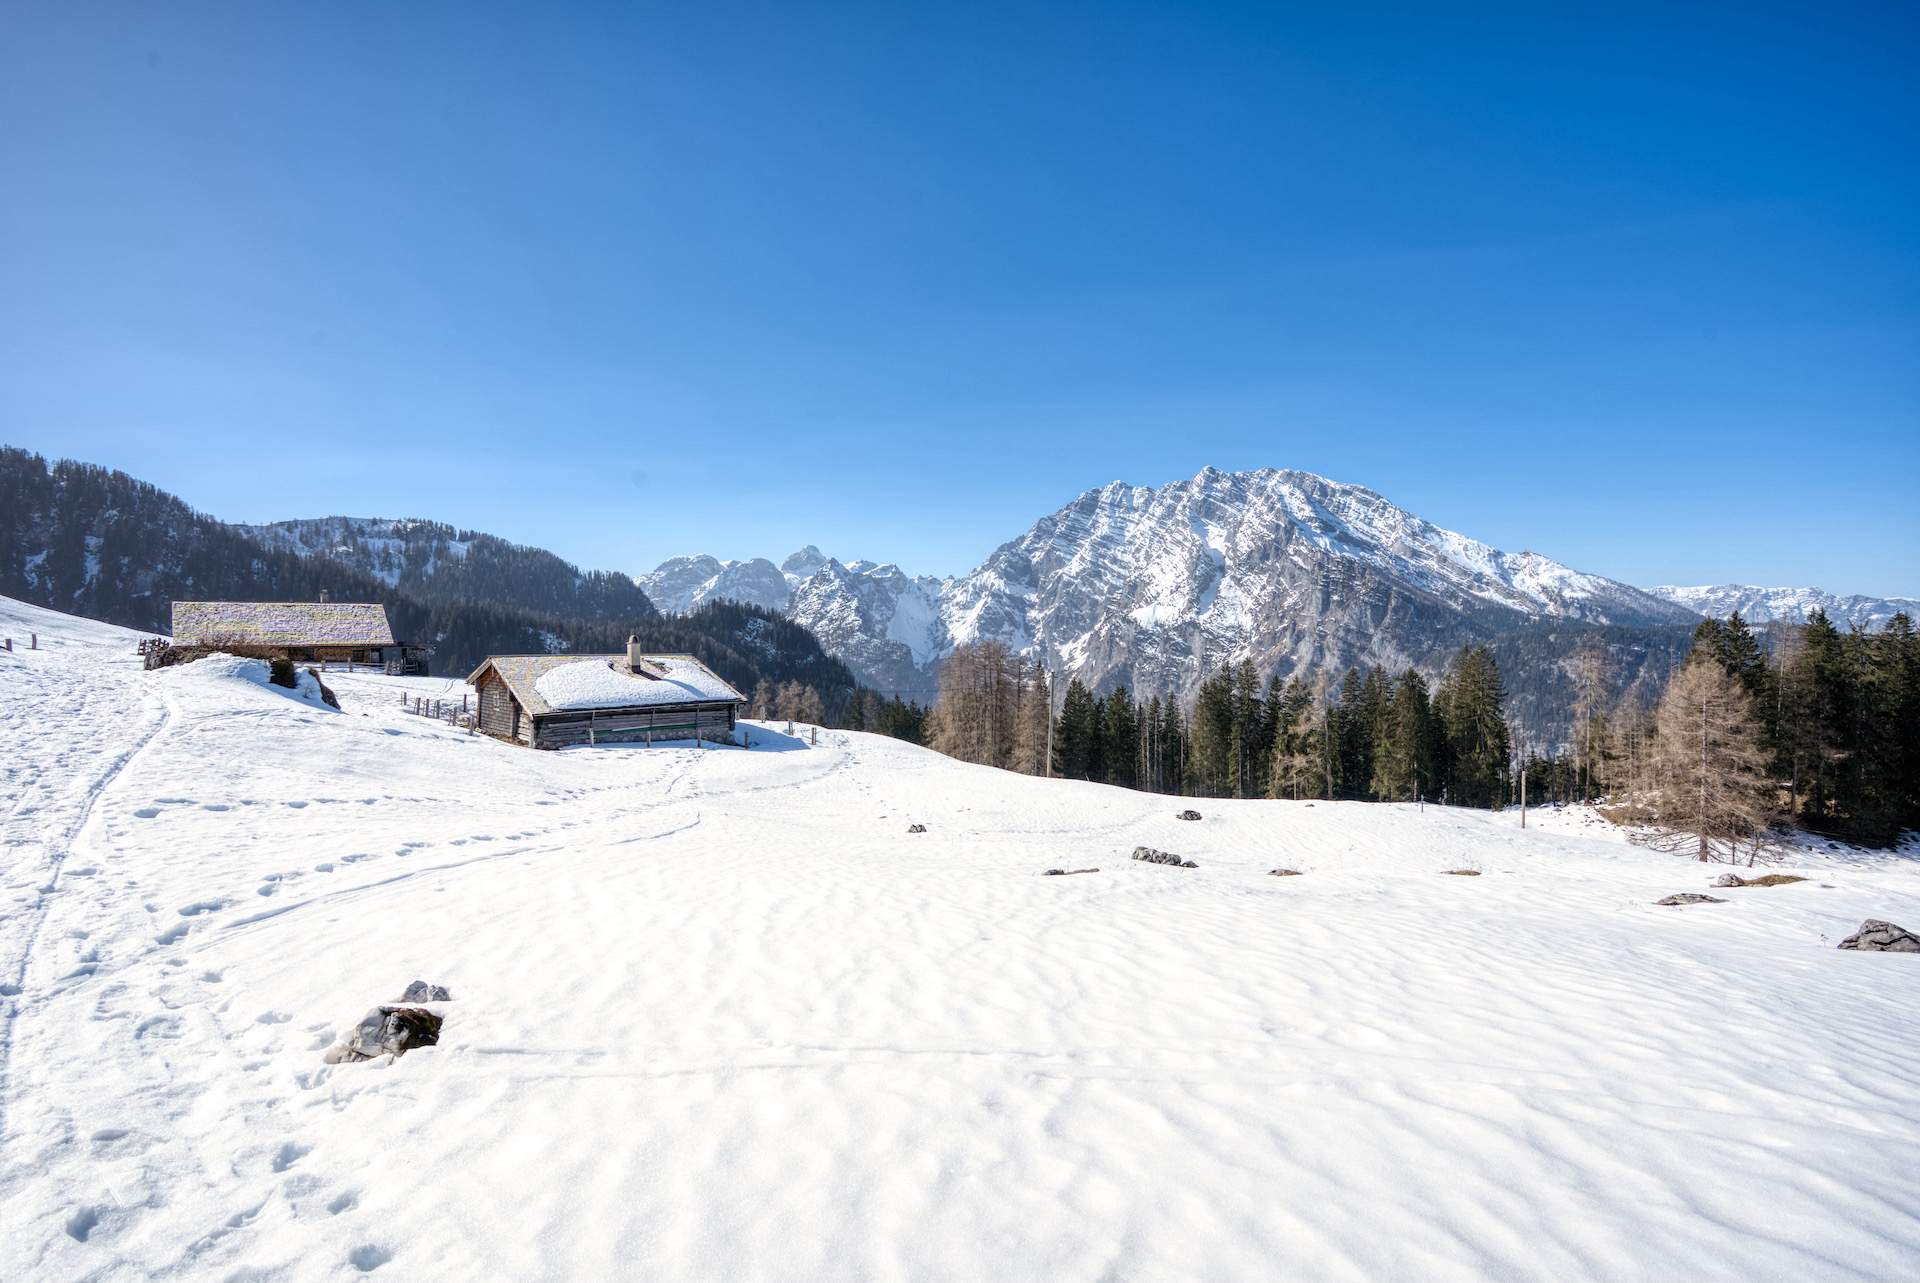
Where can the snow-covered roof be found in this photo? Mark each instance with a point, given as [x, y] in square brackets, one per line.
[281, 623]
[568, 683]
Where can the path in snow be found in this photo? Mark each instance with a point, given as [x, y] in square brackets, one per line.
[717, 1015]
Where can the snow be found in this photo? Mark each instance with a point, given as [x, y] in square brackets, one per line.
[598, 683]
[717, 1015]
[1792, 605]
[252, 672]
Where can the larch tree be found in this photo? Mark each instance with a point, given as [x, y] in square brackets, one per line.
[1593, 692]
[974, 718]
[1714, 791]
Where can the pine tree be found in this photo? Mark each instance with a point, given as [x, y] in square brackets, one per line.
[1121, 739]
[1073, 736]
[1403, 767]
[1215, 745]
[1471, 716]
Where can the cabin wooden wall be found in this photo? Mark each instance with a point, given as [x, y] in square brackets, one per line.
[714, 722]
[499, 715]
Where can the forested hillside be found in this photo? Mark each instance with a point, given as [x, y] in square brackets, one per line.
[434, 563]
[93, 542]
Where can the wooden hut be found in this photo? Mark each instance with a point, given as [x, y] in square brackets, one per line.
[333, 632]
[555, 701]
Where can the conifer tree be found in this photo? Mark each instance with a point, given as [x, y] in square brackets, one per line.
[1714, 790]
[1073, 736]
[1403, 767]
[1121, 739]
[1215, 745]
[1470, 709]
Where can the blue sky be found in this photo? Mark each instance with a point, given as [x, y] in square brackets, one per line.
[1634, 287]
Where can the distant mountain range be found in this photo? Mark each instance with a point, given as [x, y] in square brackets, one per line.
[82, 539]
[1155, 587]
[1158, 586]
[1788, 605]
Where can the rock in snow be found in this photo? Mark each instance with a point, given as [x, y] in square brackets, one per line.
[916, 828]
[1691, 897]
[1882, 937]
[386, 1031]
[1187, 815]
[1729, 880]
[1152, 856]
[421, 991]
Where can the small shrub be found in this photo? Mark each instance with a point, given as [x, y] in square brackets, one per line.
[282, 673]
[327, 697]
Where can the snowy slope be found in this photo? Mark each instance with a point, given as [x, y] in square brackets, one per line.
[718, 1016]
[1792, 605]
[386, 549]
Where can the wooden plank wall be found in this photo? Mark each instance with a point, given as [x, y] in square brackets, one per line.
[714, 722]
[496, 707]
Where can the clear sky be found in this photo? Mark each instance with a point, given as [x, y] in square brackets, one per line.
[1632, 286]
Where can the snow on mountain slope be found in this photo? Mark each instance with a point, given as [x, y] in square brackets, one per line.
[386, 549]
[884, 624]
[681, 584]
[1156, 587]
[1791, 605]
[717, 1015]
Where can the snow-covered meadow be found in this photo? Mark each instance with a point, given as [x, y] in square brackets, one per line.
[718, 1015]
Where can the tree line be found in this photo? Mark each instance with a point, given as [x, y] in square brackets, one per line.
[1806, 725]
[1376, 737]
[1801, 725]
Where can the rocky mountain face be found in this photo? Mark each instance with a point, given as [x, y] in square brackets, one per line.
[1156, 587]
[1788, 605]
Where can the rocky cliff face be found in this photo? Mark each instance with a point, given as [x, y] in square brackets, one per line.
[1158, 586]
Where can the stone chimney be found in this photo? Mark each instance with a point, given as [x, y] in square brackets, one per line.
[633, 657]
[323, 596]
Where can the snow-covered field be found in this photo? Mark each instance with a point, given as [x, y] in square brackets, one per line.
[718, 1016]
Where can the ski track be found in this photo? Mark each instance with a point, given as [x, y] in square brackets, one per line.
[715, 1017]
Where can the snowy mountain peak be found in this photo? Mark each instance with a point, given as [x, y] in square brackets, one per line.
[1789, 605]
[804, 563]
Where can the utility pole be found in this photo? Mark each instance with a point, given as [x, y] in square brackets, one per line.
[1049, 680]
[1523, 789]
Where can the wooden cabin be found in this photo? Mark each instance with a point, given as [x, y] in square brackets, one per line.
[558, 701]
[332, 632]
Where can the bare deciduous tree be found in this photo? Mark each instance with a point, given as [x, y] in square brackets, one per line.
[976, 717]
[1713, 792]
[1593, 684]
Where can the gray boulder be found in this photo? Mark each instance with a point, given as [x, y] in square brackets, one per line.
[1152, 856]
[1691, 897]
[916, 828]
[1187, 815]
[1729, 880]
[421, 991]
[1882, 937]
[386, 1031]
